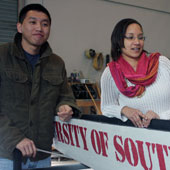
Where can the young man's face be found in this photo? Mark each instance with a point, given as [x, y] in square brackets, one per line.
[35, 29]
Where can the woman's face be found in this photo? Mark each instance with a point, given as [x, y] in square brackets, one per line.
[133, 42]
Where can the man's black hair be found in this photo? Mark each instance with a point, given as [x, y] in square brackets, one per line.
[34, 7]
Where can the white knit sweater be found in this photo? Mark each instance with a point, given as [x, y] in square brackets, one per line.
[156, 96]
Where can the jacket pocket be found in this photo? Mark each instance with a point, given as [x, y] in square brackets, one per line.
[14, 85]
[53, 79]
[17, 77]
[51, 87]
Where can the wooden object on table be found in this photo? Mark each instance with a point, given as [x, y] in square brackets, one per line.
[93, 100]
[85, 104]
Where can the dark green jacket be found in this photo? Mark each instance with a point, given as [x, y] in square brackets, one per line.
[29, 99]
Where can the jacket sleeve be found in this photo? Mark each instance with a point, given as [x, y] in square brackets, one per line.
[66, 95]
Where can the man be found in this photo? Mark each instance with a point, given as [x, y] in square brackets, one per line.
[33, 87]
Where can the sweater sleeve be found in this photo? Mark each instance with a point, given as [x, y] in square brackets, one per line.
[110, 106]
[165, 63]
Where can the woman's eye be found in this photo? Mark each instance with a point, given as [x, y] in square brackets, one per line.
[141, 38]
[129, 38]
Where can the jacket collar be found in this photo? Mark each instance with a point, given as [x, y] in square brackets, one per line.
[17, 50]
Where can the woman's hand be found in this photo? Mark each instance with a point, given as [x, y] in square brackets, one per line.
[136, 116]
[149, 116]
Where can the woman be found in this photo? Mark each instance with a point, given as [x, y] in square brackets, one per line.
[133, 85]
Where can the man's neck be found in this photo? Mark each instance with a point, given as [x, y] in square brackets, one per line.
[31, 49]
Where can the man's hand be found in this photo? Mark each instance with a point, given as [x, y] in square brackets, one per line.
[27, 147]
[65, 113]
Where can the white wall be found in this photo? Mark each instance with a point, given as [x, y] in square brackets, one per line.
[78, 25]
[160, 5]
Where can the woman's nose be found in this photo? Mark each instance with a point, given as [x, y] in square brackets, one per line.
[136, 40]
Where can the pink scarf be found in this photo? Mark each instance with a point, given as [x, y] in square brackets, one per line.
[145, 74]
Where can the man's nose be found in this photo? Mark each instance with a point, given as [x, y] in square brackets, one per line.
[38, 27]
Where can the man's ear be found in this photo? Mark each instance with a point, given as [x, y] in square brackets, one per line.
[19, 27]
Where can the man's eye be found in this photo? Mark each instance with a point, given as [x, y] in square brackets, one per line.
[45, 24]
[32, 22]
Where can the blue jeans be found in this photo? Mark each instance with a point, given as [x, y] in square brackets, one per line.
[6, 164]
